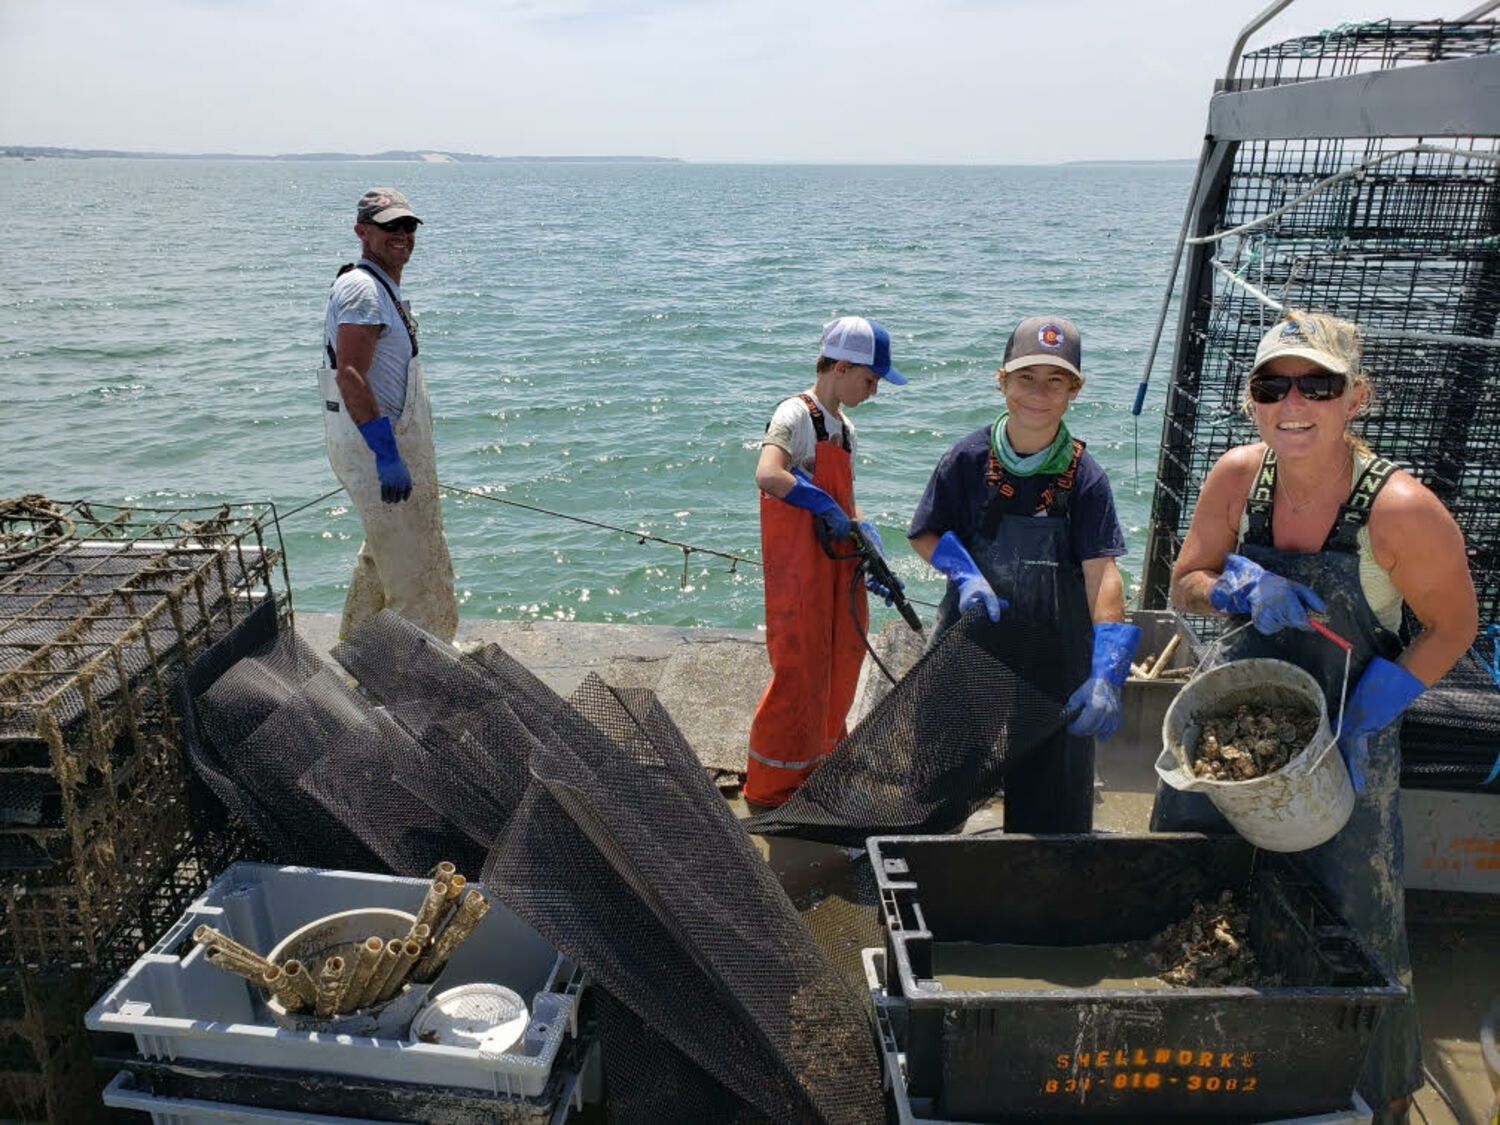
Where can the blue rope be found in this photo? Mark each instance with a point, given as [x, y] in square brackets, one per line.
[1493, 667]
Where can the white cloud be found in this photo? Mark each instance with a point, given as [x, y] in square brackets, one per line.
[802, 80]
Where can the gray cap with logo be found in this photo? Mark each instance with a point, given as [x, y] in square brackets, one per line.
[382, 205]
[1045, 340]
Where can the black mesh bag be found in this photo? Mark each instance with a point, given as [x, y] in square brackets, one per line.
[935, 748]
[629, 837]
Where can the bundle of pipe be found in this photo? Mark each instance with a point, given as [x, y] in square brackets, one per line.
[379, 969]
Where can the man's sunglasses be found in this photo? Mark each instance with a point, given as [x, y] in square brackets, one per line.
[405, 225]
[1317, 387]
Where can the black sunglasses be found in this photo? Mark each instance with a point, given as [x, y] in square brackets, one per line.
[1319, 386]
[405, 225]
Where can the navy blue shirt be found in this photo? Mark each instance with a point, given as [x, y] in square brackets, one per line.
[956, 495]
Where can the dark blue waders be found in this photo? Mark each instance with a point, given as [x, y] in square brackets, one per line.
[1028, 558]
[1361, 867]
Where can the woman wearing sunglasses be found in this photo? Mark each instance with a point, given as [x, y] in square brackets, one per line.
[1309, 522]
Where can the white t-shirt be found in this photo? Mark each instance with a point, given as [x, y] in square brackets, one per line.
[357, 298]
[792, 429]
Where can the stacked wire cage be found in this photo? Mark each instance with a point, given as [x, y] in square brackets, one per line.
[104, 835]
[1400, 234]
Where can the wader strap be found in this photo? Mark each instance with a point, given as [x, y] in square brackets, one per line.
[406, 321]
[1354, 513]
[820, 428]
[1055, 499]
[1258, 503]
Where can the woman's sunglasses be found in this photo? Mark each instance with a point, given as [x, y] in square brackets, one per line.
[405, 225]
[1317, 387]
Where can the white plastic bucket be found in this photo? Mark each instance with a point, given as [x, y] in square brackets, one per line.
[1295, 808]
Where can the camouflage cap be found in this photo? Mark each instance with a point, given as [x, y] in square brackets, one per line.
[381, 205]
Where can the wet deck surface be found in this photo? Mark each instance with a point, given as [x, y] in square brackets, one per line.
[709, 681]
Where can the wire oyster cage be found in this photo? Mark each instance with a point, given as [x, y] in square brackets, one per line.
[46, 1070]
[1390, 218]
[101, 607]
[1356, 172]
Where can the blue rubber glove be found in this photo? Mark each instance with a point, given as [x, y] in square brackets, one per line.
[880, 590]
[395, 480]
[1383, 692]
[872, 536]
[811, 498]
[1097, 699]
[1273, 602]
[959, 567]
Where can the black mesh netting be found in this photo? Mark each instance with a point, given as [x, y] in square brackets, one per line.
[1451, 735]
[935, 748]
[612, 843]
[668, 906]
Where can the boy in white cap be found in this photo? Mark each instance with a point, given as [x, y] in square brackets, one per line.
[806, 473]
[1022, 522]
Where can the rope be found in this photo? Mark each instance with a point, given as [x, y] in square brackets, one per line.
[42, 522]
[687, 549]
[1327, 182]
[1492, 665]
[303, 507]
[639, 536]
[1368, 333]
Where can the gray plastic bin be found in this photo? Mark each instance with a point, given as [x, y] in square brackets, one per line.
[123, 1093]
[177, 1006]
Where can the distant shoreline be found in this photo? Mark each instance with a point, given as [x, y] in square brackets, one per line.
[416, 156]
[413, 156]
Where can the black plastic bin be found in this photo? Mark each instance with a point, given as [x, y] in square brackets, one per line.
[1144, 1055]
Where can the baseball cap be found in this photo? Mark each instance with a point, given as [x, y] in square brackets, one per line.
[860, 340]
[381, 205]
[1305, 339]
[1045, 339]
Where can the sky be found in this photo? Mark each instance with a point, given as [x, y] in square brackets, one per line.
[821, 81]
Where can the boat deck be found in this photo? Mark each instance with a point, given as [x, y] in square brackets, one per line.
[710, 679]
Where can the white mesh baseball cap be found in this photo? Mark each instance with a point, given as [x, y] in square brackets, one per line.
[860, 340]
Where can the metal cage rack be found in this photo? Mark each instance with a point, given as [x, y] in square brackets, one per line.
[1398, 231]
[1358, 47]
[105, 834]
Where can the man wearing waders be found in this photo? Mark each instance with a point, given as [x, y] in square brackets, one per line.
[378, 426]
[815, 624]
[1309, 521]
[1021, 520]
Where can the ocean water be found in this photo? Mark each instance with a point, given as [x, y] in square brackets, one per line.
[604, 341]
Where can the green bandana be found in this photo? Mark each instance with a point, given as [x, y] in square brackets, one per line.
[1052, 460]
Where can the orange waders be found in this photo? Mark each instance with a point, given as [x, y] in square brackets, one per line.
[815, 647]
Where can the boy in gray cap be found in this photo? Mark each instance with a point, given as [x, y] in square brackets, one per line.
[378, 425]
[1022, 522]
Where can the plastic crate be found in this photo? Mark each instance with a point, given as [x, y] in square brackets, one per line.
[125, 1092]
[179, 1007]
[220, 1093]
[891, 1026]
[1220, 1053]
